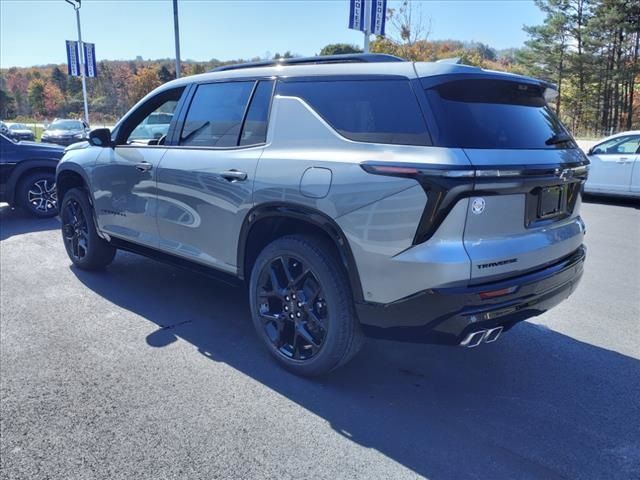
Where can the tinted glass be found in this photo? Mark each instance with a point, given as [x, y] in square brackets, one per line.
[492, 114]
[625, 144]
[255, 125]
[378, 111]
[155, 125]
[215, 116]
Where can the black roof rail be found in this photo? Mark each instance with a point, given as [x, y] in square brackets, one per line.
[320, 59]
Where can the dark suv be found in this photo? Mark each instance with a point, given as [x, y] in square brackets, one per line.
[419, 201]
[27, 175]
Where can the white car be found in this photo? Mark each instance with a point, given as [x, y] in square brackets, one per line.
[615, 165]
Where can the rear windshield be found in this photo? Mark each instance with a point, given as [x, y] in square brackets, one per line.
[493, 114]
[376, 111]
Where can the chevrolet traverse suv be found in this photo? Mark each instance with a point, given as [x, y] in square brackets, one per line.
[354, 195]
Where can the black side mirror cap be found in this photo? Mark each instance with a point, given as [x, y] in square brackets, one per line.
[100, 137]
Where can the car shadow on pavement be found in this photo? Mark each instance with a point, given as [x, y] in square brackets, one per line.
[16, 222]
[537, 404]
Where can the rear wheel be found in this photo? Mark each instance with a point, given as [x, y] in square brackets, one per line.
[302, 307]
[84, 247]
[36, 194]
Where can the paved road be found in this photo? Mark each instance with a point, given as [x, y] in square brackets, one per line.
[146, 371]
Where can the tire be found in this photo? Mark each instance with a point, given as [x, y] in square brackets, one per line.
[306, 320]
[85, 248]
[36, 193]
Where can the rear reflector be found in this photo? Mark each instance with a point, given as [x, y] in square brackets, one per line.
[497, 293]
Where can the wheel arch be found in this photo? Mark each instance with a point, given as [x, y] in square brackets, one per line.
[267, 222]
[24, 168]
[70, 176]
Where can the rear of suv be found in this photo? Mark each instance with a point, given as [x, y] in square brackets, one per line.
[354, 195]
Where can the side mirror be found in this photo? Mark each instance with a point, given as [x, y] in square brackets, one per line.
[100, 137]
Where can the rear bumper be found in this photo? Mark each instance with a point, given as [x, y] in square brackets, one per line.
[448, 315]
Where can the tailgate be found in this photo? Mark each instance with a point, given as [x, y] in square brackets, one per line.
[525, 210]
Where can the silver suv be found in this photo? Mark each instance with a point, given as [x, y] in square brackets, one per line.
[428, 202]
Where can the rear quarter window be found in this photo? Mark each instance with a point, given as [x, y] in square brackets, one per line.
[493, 114]
[375, 111]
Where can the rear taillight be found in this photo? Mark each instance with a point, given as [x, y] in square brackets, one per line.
[417, 171]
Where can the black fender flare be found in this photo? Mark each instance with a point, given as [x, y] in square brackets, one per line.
[77, 169]
[23, 167]
[308, 215]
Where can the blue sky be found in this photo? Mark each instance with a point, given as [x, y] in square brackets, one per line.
[32, 32]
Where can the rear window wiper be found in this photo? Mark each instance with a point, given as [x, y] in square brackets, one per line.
[559, 138]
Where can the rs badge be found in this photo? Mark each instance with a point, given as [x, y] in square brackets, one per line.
[477, 205]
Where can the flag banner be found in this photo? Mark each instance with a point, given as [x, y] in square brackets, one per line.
[73, 58]
[356, 15]
[90, 59]
[378, 16]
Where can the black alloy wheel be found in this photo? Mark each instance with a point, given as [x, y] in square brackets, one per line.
[75, 230]
[292, 308]
[302, 306]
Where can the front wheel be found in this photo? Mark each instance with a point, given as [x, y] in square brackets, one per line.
[302, 307]
[36, 194]
[84, 247]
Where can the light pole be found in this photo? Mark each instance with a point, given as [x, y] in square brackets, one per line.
[76, 4]
[367, 16]
[176, 32]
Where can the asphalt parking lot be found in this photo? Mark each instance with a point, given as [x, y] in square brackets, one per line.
[147, 371]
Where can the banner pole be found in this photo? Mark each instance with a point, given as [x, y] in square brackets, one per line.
[367, 24]
[82, 61]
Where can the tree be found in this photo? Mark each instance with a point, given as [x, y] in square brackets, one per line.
[59, 79]
[144, 81]
[339, 49]
[548, 44]
[165, 75]
[408, 23]
[53, 99]
[7, 104]
[36, 96]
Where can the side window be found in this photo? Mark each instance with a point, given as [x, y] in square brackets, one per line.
[215, 116]
[618, 145]
[254, 131]
[377, 111]
[142, 128]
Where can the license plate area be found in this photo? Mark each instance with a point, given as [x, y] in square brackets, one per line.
[552, 202]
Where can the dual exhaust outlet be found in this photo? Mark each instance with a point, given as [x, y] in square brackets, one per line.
[476, 338]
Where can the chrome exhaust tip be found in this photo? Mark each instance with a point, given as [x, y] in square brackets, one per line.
[493, 334]
[473, 339]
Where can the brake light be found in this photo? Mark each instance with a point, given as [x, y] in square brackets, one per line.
[399, 170]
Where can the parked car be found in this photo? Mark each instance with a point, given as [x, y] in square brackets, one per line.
[19, 131]
[155, 126]
[427, 202]
[4, 130]
[27, 175]
[615, 165]
[65, 132]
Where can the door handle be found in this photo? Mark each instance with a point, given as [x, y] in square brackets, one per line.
[623, 159]
[234, 175]
[144, 166]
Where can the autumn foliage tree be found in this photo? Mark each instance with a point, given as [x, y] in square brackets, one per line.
[54, 100]
[145, 80]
